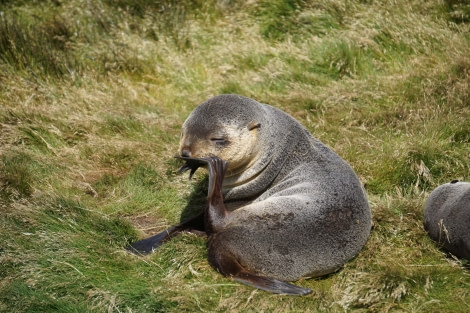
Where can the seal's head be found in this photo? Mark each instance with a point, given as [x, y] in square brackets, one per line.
[223, 126]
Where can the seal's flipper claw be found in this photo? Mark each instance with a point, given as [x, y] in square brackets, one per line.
[271, 284]
[193, 170]
[194, 163]
[191, 164]
[184, 168]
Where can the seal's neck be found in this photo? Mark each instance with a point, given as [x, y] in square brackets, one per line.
[248, 181]
[277, 137]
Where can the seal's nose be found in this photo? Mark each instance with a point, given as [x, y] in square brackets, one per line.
[185, 152]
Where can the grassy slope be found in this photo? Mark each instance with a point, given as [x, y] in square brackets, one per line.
[92, 96]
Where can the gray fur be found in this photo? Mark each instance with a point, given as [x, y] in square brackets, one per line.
[307, 213]
[447, 217]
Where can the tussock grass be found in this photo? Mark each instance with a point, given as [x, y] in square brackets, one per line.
[92, 98]
[36, 47]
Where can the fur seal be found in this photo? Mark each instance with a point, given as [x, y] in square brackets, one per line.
[281, 204]
[447, 217]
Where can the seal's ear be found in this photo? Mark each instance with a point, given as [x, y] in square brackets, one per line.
[253, 124]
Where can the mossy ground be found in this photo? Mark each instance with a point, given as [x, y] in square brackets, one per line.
[92, 98]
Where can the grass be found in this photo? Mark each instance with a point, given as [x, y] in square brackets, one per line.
[92, 98]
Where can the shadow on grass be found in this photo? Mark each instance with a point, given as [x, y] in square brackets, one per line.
[197, 200]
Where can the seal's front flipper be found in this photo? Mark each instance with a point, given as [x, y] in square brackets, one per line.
[147, 245]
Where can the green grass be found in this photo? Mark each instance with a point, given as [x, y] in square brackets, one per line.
[92, 98]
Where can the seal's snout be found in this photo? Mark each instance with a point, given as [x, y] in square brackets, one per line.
[185, 152]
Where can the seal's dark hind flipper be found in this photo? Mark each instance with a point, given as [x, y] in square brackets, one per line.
[227, 265]
[191, 164]
[215, 212]
[271, 284]
[147, 245]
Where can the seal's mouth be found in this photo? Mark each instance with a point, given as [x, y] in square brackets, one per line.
[191, 164]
